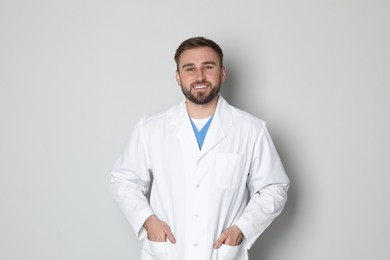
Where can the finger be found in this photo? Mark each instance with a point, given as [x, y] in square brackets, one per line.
[170, 236]
[157, 237]
[220, 240]
[232, 241]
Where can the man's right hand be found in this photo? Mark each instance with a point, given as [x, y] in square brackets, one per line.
[158, 231]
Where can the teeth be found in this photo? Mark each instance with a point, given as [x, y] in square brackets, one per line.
[199, 87]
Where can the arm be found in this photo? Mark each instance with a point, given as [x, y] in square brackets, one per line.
[268, 185]
[263, 207]
[130, 181]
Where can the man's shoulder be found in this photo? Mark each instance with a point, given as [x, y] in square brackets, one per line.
[245, 118]
[166, 116]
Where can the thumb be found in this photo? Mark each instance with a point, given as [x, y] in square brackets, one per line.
[220, 240]
[170, 235]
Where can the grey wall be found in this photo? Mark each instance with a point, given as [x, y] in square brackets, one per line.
[76, 75]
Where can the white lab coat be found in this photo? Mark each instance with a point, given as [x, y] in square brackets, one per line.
[200, 193]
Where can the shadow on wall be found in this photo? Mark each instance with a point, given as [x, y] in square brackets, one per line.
[269, 241]
[227, 89]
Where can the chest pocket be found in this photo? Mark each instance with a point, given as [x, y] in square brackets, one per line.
[228, 167]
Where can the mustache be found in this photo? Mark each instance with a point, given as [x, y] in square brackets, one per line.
[204, 82]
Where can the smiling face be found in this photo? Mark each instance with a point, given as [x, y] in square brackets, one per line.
[200, 74]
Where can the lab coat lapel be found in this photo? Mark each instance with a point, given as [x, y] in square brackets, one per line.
[217, 132]
[187, 139]
[218, 128]
[214, 135]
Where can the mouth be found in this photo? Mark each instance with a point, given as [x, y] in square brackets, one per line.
[201, 86]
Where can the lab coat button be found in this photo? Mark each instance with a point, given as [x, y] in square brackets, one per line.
[197, 185]
[196, 215]
[195, 244]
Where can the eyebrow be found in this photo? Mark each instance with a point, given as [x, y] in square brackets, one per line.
[203, 63]
[187, 65]
[209, 62]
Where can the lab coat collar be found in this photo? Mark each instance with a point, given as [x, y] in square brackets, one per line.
[222, 113]
[218, 130]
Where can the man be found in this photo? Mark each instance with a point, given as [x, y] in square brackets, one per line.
[217, 179]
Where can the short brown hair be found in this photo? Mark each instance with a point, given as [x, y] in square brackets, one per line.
[197, 42]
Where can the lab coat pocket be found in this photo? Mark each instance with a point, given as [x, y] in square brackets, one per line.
[228, 170]
[154, 250]
[226, 252]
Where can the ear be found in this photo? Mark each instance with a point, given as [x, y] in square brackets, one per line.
[223, 74]
[177, 77]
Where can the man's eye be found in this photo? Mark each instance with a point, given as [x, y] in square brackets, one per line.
[190, 69]
[209, 67]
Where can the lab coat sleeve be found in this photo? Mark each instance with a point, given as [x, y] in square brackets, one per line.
[130, 181]
[268, 184]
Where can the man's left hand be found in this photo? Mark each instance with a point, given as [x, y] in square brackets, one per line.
[231, 236]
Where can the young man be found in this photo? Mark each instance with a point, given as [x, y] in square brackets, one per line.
[218, 181]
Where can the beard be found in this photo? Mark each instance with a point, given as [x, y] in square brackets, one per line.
[201, 97]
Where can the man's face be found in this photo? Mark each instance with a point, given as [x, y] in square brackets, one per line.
[200, 74]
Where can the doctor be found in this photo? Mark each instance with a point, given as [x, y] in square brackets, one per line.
[218, 181]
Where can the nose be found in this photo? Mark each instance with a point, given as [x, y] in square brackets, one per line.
[201, 75]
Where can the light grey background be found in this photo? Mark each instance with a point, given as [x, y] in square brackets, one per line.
[75, 76]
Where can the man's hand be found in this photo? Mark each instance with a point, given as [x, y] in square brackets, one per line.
[231, 236]
[158, 231]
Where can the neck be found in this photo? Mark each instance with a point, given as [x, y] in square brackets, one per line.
[202, 111]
